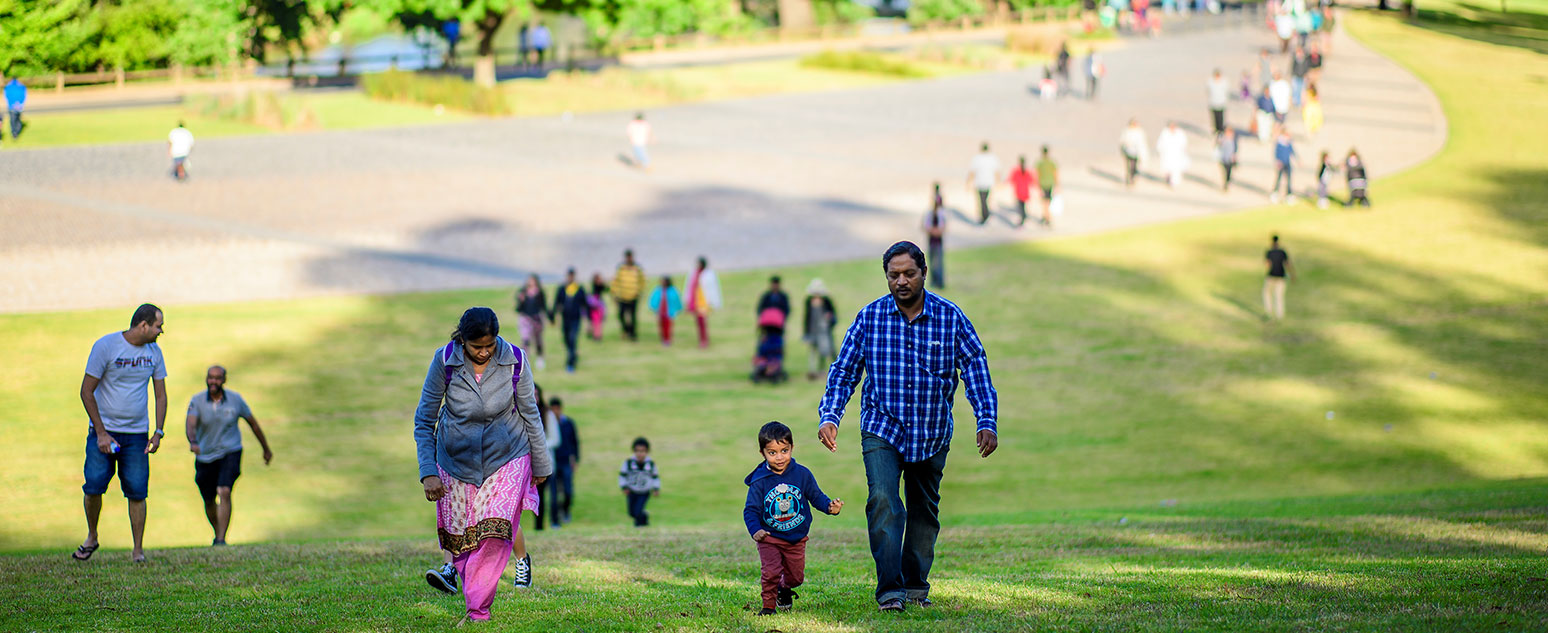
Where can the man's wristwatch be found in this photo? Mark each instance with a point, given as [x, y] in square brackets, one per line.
[160, 433]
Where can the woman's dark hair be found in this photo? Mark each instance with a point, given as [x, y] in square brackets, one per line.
[476, 323]
[640, 441]
[774, 432]
[904, 248]
[542, 405]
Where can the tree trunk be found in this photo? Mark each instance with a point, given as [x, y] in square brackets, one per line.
[795, 15]
[484, 67]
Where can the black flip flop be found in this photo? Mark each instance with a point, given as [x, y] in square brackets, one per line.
[83, 552]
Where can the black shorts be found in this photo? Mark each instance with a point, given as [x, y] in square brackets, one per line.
[221, 473]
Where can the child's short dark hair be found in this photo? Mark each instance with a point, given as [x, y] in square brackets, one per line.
[774, 432]
[640, 441]
[555, 402]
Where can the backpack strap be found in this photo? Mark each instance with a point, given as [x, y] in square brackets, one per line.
[515, 371]
[446, 354]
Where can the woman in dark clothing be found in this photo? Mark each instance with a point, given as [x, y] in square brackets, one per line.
[1354, 172]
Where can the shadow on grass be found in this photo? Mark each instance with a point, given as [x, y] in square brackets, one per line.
[1405, 570]
[1527, 30]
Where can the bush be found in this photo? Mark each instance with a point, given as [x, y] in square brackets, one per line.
[921, 11]
[452, 92]
[864, 62]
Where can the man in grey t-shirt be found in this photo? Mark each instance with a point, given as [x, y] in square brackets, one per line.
[216, 438]
[120, 439]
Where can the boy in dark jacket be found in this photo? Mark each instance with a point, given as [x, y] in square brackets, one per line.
[777, 516]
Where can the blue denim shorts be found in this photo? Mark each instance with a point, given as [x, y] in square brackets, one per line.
[131, 462]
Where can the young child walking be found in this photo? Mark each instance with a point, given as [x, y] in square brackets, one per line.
[777, 516]
[639, 481]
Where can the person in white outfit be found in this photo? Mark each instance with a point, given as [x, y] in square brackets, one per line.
[638, 132]
[180, 144]
[1172, 148]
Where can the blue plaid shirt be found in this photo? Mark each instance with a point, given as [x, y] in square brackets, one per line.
[911, 375]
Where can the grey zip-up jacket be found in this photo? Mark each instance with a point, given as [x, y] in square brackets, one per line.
[471, 428]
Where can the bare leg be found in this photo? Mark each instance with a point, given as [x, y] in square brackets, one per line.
[223, 513]
[137, 527]
[210, 512]
[93, 504]
[518, 542]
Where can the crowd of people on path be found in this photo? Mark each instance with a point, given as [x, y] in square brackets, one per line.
[1275, 89]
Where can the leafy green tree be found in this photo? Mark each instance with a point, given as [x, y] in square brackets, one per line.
[920, 11]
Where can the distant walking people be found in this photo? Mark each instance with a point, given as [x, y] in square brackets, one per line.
[1279, 91]
[180, 144]
[1284, 160]
[215, 438]
[906, 416]
[934, 226]
[531, 313]
[1278, 264]
[1094, 72]
[628, 283]
[774, 299]
[596, 306]
[638, 132]
[1134, 147]
[15, 102]
[1300, 65]
[666, 303]
[1048, 180]
[119, 437]
[1062, 65]
[983, 173]
[1263, 118]
[1325, 170]
[639, 481]
[566, 458]
[1225, 149]
[703, 297]
[819, 320]
[1219, 92]
[1311, 111]
[1354, 172]
[1172, 149]
[1023, 182]
[540, 40]
[570, 309]
[482, 454]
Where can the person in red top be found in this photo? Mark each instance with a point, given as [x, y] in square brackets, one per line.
[1023, 181]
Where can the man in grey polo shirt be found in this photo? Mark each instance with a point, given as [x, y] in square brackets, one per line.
[216, 438]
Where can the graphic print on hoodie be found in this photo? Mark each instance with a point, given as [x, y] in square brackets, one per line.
[781, 502]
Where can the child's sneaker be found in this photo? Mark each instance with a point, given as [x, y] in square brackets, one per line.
[766, 611]
[786, 598]
[523, 572]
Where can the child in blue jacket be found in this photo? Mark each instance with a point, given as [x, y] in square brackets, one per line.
[777, 516]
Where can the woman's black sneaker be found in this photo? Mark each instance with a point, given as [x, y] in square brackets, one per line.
[524, 572]
[443, 579]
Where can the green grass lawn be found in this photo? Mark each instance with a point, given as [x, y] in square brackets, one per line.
[1136, 382]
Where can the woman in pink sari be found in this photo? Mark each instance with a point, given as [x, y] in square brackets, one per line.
[482, 454]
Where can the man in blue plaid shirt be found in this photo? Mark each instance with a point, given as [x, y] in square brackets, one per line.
[911, 346]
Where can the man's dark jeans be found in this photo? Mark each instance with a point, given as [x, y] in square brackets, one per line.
[561, 489]
[16, 124]
[983, 206]
[572, 328]
[937, 264]
[902, 538]
[628, 312]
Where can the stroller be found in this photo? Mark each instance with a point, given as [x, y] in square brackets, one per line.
[768, 363]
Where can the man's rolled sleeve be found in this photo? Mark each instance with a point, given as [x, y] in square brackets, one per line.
[974, 362]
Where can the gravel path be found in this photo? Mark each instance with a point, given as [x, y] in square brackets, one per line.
[750, 183]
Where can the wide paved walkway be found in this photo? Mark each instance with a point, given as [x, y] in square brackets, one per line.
[757, 182]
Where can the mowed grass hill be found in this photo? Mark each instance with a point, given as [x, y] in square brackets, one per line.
[1168, 460]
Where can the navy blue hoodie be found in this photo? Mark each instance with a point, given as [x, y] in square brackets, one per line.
[777, 502]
